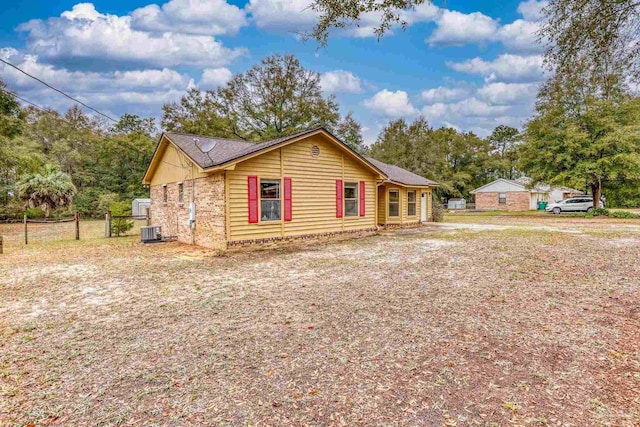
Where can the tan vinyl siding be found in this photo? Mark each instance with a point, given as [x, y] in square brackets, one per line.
[382, 203]
[313, 190]
[266, 166]
[174, 166]
[404, 218]
[354, 172]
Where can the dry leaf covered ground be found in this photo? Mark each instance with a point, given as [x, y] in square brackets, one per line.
[454, 326]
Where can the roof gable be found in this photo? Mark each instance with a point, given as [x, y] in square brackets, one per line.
[218, 153]
[499, 185]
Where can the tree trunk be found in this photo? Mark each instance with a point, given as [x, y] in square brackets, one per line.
[596, 191]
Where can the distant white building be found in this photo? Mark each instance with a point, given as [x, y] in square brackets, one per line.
[456, 203]
[140, 207]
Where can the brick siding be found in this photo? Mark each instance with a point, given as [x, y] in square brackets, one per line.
[210, 226]
[516, 201]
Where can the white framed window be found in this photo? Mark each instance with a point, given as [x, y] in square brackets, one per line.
[165, 194]
[411, 203]
[502, 198]
[394, 202]
[181, 193]
[351, 199]
[270, 200]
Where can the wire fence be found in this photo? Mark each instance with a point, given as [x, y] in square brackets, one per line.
[21, 232]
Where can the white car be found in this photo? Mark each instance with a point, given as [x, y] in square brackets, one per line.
[574, 204]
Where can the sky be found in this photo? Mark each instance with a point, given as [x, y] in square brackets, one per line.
[467, 64]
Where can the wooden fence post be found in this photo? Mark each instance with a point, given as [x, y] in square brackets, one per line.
[76, 217]
[26, 239]
[108, 223]
[1, 242]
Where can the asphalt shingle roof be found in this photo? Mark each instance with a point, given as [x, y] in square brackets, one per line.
[208, 152]
[399, 175]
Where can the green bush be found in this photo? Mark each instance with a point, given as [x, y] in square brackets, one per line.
[13, 210]
[437, 211]
[600, 212]
[624, 214]
[104, 202]
[94, 203]
[120, 225]
[35, 213]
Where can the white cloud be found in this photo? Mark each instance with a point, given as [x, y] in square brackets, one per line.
[508, 93]
[297, 16]
[206, 17]
[391, 104]
[442, 94]
[340, 81]
[531, 10]
[137, 91]
[83, 32]
[480, 109]
[506, 67]
[282, 15]
[477, 115]
[520, 36]
[456, 29]
[214, 77]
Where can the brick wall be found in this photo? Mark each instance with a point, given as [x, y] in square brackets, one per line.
[516, 201]
[210, 228]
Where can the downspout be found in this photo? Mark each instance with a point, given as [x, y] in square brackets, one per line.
[192, 205]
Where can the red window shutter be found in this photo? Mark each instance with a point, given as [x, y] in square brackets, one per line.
[252, 185]
[361, 194]
[287, 199]
[339, 198]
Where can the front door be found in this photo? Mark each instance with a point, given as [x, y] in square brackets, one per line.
[423, 207]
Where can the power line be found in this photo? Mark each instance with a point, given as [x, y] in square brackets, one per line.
[44, 110]
[58, 90]
[23, 100]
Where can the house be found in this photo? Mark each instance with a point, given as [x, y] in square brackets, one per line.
[515, 195]
[217, 192]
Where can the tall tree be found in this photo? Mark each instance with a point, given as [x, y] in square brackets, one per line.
[14, 160]
[458, 161]
[599, 35]
[47, 190]
[195, 113]
[130, 124]
[350, 132]
[11, 115]
[348, 13]
[594, 147]
[276, 97]
[504, 143]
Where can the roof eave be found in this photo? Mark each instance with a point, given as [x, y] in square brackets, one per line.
[402, 184]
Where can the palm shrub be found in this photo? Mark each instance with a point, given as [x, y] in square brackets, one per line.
[49, 189]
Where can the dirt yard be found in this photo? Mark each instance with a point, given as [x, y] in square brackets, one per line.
[535, 324]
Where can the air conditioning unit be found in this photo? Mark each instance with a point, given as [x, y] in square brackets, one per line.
[151, 234]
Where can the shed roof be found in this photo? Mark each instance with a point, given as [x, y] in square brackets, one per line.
[401, 176]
